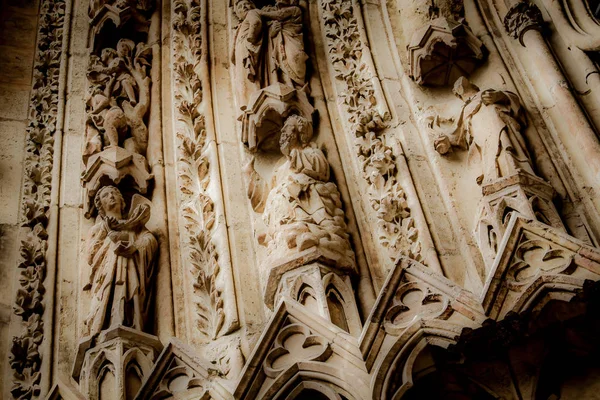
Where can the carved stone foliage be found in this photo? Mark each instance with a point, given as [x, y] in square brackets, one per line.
[443, 51]
[295, 343]
[25, 354]
[522, 17]
[348, 54]
[301, 207]
[197, 207]
[413, 301]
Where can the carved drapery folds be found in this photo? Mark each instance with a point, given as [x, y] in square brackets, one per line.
[213, 283]
[490, 126]
[442, 51]
[116, 351]
[25, 352]
[359, 97]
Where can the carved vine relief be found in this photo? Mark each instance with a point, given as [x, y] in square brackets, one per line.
[25, 353]
[196, 205]
[397, 231]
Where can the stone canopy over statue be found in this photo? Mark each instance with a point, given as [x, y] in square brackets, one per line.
[121, 253]
[268, 47]
[490, 125]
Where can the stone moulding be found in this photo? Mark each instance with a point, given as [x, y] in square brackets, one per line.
[354, 74]
[215, 311]
[25, 353]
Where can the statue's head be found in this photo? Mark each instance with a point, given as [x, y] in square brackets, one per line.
[109, 200]
[464, 89]
[296, 132]
[241, 8]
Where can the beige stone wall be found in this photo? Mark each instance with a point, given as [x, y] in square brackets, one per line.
[18, 27]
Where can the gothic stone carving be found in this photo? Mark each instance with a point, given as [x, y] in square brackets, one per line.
[490, 125]
[121, 253]
[116, 368]
[216, 312]
[443, 51]
[301, 207]
[119, 99]
[522, 17]
[295, 343]
[25, 353]
[537, 263]
[348, 56]
[268, 47]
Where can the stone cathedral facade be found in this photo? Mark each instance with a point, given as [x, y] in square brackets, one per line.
[300, 199]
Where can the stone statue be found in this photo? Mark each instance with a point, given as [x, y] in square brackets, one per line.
[490, 124]
[268, 47]
[121, 253]
[119, 99]
[300, 207]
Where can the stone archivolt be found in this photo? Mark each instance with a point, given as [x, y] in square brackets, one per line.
[324, 329]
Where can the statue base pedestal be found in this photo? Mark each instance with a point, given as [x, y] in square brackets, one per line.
[115, 362]
[276, 268]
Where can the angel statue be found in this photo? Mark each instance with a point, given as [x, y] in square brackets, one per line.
[490, 124]
[301, 207]
[121, 252]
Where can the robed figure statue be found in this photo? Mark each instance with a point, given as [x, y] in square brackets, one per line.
[121, 253]
[490, 125]
[301, 207]
[268, 47]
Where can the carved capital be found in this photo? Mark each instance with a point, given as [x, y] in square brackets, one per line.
[521, 18]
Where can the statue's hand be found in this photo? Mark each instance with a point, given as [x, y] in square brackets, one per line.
[494, 97]
[125, 249]
[275, 28]
[442, 144]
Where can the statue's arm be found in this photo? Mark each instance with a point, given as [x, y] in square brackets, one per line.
[278, 15]
[257, 188]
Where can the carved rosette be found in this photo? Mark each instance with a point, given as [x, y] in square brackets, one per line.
[521, 18]
[25, 353]
[347, 54]
[194, 172]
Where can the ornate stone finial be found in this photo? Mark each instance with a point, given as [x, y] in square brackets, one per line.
[521, 18]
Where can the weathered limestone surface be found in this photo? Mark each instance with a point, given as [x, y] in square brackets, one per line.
[299, 199]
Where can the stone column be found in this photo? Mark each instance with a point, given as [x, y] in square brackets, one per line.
[524, 22]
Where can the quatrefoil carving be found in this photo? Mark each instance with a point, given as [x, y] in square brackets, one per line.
[413, 301]
[293, 344]
[536, 257]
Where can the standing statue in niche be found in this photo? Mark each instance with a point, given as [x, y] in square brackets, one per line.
[490, 124]
[268, 47]
[300, 207]
[121, 253]
[119, 99]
